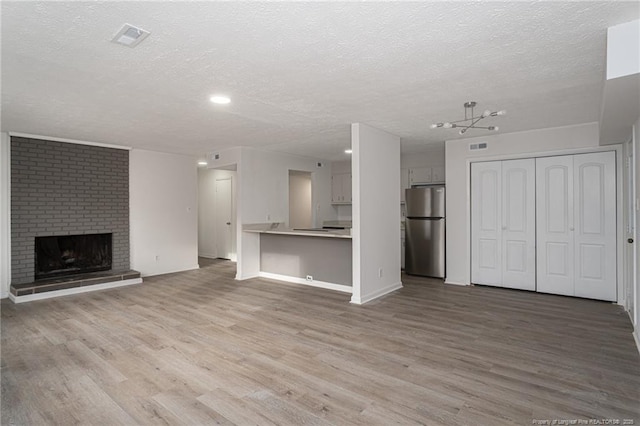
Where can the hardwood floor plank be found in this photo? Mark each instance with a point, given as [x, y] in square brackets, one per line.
[199, 347]
[235, 409]
[190, 411]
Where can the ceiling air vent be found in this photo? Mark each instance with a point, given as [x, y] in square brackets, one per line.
[130, 36]
[477, 146]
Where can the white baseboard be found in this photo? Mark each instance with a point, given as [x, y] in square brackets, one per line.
[315, 283]
[172, 271]
[246, 277]
[448, 281]
[378, 293]
[75, 290]
[207, 256]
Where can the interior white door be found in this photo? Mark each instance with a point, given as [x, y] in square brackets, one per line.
[518, 237]
[555, 225]
[223, 218]
[576, 233]
[486, 220]
[595, 225]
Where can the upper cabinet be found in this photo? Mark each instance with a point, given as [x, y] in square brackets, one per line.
[437, 174]
[341, 188]
[422, 175]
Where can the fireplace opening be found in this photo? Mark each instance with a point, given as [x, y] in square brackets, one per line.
[63, 255]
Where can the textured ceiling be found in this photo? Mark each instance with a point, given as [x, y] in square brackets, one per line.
[299, 73]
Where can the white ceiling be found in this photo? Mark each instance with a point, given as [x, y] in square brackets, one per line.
[299, 73]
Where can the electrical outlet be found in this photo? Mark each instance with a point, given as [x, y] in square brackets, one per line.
[309, 277]
[157, 257]
[379, 272]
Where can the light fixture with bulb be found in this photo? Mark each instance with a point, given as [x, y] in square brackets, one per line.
[470, 119]
[348, 151]
[202, 163]
[220, 99]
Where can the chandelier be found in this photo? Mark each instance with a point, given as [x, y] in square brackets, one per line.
[470, 119]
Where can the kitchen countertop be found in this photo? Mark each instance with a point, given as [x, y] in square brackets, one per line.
[279, 228]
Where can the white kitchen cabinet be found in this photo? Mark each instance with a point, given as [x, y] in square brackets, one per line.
[419, 175]
[437, 174]
[422, 175]
[341, 188]
[404, 183]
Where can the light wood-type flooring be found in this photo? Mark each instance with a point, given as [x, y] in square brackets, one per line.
[198, 348]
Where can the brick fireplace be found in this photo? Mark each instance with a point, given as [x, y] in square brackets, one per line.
[63, 189]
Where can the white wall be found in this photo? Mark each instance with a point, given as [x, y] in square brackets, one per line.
[300, 201]
[623, 50]
[5, 215]
[265, 176]
[207, 207]
[338, 167]
[432, 156]
[376, 212]
[458, 159]
[263, 195]
[163, 212]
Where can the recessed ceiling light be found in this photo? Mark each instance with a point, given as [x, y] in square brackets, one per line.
[202, 163]
[220, 99]
[348, 151]
[130, 36]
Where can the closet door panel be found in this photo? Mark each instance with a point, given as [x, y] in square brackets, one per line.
[486, 252]
[555, 225]
[595, 219]
[518, 224]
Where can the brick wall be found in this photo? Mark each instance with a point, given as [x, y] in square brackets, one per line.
[66, 189]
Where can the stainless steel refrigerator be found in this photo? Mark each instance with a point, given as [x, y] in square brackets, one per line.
[424, 228]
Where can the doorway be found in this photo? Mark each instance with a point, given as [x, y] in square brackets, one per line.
[300, 199]
[224, 218]
[216, 214]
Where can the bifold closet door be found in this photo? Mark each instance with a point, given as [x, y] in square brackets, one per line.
[486, 220]
[503, 223]
[576, 231]
[595, 225]
[554, 206]
[519, 224]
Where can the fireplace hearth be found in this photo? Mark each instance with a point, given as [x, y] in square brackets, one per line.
[59, 256]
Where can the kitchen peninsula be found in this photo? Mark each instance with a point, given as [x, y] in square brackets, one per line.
[317, 257]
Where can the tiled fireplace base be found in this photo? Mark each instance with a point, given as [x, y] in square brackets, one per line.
[71, 285]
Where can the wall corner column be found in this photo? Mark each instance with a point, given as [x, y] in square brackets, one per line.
[376, 213]
[5, 214]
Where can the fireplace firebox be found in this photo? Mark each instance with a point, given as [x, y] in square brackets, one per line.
[58, 256]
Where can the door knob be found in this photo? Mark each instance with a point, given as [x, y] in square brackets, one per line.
[630, 240]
